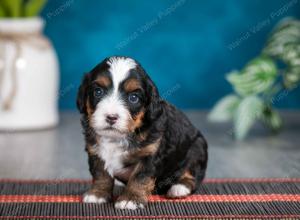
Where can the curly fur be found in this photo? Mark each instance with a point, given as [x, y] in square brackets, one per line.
[162, 147]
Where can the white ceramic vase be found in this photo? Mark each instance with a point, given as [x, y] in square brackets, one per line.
[29, 76]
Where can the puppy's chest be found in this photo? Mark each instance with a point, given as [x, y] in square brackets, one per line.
[113, 153]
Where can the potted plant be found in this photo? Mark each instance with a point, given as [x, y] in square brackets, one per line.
[263, 82]
[28, 68]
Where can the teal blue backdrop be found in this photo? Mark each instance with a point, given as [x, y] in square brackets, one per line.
[186, 46]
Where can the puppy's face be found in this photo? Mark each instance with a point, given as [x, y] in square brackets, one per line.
[116, 96]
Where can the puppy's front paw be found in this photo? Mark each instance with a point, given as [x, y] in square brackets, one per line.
[125, 204]
[130, 201]
[92, 198]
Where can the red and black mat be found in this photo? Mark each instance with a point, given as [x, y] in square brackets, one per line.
[216, 199]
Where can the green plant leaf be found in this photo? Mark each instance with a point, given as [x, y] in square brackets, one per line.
[262, 66]
[12, 7]
[258, 76]
[292, 77]
[2, 11]
[224, 109]
[33, 7]
[272, 119]
[284, 44]
[285, 34]
[291, 54]
[246, 114]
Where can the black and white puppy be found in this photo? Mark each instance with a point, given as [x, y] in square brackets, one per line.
[135, 137]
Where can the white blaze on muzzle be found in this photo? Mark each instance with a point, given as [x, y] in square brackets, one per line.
[112, 103]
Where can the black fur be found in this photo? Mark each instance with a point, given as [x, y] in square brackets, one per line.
[182, 147]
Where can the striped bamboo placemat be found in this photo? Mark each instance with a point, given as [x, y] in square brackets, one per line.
[216, 199]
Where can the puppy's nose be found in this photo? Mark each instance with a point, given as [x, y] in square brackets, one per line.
[111, 119]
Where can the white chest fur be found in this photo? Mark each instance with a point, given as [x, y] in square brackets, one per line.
[112, 152]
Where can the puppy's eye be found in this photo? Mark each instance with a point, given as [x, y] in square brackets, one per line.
[133, 98]
[98, 92]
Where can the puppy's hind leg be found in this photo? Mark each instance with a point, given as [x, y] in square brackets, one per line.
[183, 187]
[193, 175]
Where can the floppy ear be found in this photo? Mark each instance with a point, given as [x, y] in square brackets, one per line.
[154, 108]
[82, 94]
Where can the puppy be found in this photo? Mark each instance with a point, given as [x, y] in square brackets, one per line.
[134, 136]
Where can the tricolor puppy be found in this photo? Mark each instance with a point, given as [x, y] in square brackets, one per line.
[135, 137]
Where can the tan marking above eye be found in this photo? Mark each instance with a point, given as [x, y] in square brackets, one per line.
[132, 85]
[103, 81]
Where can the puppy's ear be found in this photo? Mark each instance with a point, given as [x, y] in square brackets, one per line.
[154, 108]
[82, 94]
